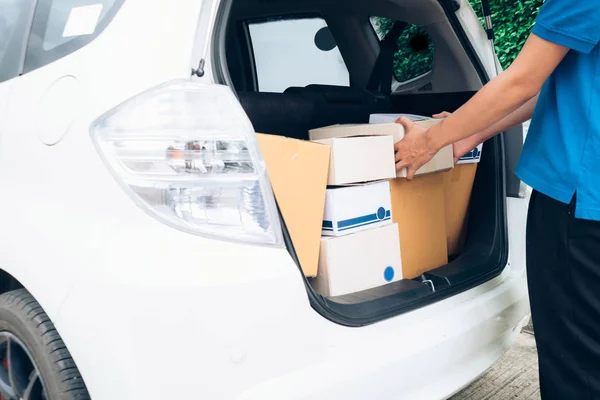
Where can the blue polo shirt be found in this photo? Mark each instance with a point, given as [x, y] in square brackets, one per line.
[561, 155]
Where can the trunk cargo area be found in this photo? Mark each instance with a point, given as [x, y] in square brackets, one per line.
[427, 239]
[448, 243]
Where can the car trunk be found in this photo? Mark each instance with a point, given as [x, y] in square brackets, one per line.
[485, 251]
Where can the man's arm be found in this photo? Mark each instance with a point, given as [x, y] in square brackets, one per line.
[522, 114]
[521, 82]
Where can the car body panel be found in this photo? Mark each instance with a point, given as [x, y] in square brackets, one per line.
[67, 190]
[259, 339]
[150, 312]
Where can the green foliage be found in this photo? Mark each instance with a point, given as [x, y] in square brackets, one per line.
[513, 20]
[415, 49]
[409, 62]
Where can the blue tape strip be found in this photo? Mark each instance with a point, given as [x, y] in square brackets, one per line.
[364, 224]
[380, 215]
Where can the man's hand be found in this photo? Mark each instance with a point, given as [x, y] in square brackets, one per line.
[415, 149]
[461, 147]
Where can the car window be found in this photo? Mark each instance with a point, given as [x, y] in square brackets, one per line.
[61, 27]
[295, 52]
[14, 28]
[414, 56]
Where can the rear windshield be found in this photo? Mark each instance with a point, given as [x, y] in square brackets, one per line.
[61, 27]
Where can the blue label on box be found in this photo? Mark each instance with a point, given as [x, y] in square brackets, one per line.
[474, 154]
[381, 215]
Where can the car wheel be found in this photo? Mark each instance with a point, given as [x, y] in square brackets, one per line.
[34, 361]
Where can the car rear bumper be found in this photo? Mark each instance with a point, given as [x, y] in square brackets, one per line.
[414, 356]
[136, 336]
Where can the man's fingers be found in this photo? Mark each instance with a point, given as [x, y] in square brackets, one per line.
[407, 123]
[401, 164]
[399, 150]
[443, 114]
[398, 146]
[411, 170]
[398, 157]
[405, 148]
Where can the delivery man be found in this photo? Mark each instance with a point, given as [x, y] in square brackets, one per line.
[555, 79]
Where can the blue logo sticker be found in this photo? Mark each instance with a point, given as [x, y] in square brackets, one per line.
[388, 274]
[380, 213]
[472, 155]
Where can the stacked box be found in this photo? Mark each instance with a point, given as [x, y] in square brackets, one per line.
[356, 216]
[357, 223]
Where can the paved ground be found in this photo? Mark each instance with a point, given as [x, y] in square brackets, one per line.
[513, 377]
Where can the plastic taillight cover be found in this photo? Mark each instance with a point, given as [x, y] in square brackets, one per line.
[188, 155]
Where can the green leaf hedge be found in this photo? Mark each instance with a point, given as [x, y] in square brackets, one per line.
[513, 20]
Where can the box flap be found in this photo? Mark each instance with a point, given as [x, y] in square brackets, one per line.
[297, 170]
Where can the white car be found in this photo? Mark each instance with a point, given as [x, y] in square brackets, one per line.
[142, 253]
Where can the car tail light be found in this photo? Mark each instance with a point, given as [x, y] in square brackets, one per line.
[187, 154]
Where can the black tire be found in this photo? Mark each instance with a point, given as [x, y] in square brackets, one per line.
[26, 329]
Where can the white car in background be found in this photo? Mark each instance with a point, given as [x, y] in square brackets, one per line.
[142, 253]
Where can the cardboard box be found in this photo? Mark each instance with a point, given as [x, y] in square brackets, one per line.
[458, 185]
[418, 209]
[444, 160]
[355, 208]
[298, 173]
[357, 262]
[360, 159]
[469, 158]
[392, 118]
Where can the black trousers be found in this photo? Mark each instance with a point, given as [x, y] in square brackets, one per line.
[563, 269]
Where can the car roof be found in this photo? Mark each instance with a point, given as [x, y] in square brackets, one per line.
[347, 20]
[418, 12]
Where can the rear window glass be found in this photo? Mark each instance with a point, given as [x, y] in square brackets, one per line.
[61, 27]
[414, 56]
[290, 51]
[14, 21]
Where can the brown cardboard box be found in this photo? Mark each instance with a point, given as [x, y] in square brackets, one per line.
[418, 209]
[458, 184]
[298, 173]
